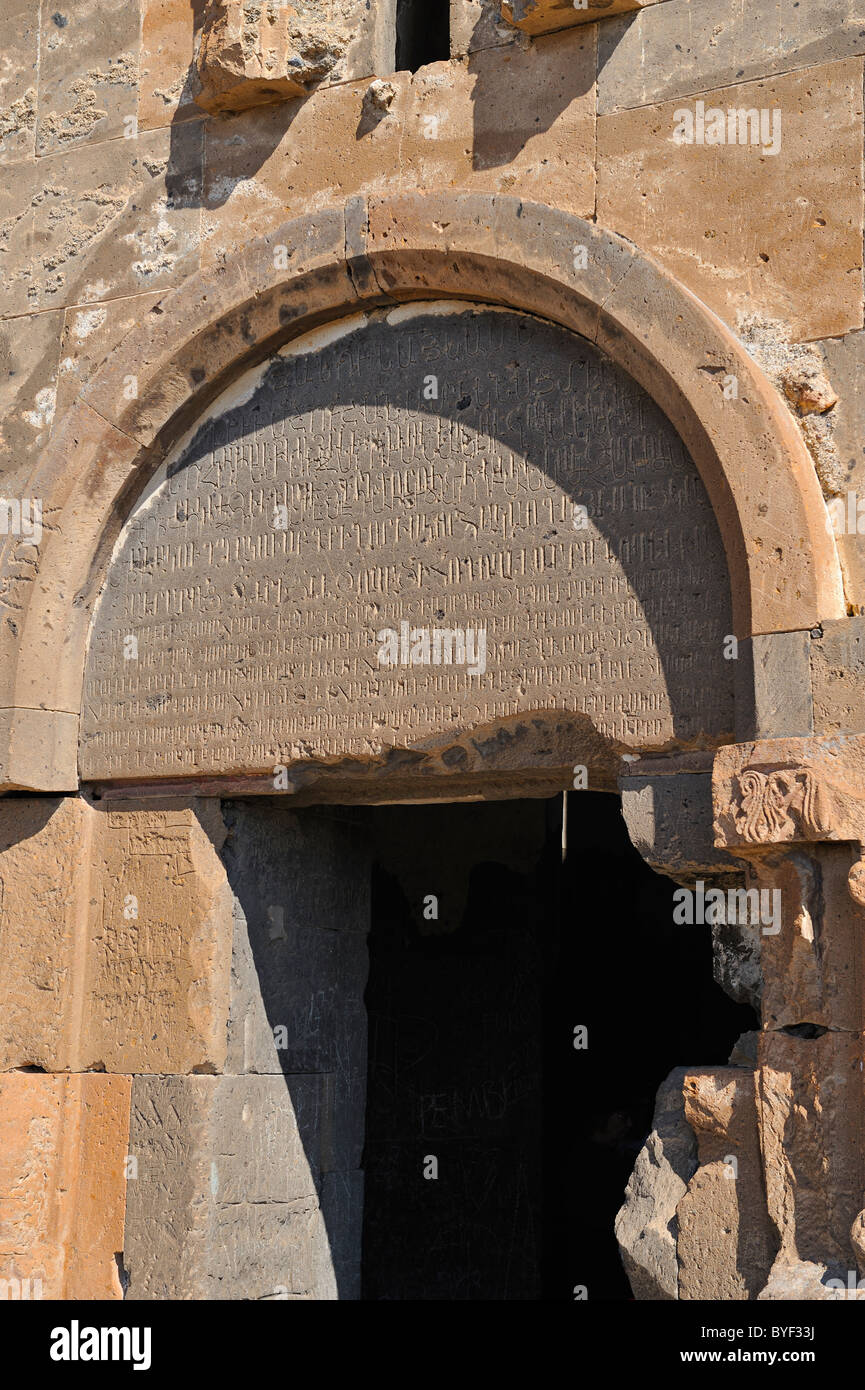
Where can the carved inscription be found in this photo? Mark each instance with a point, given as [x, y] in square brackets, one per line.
[466, 470]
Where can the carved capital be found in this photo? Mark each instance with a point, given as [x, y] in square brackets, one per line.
[789, 791]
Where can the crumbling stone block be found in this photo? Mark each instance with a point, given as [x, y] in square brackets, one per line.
[253, 53]
[646, 1226]
[88, 72]
[63, 1146]
[726, 1242]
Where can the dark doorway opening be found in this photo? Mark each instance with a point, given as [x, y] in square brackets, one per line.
[422, 33]
[471, 1059]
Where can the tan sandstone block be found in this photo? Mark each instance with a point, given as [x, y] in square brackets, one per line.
[512, 119]
[63, 1144]
[254, 55]
[117, 219]
[543, 16]
[477, 24]
[19, 46]
[725, 1242]
[88, 72]
[89, 333]
[29, 355]
[265, 166]
[168, 82]
[701, 209]
[810, 1105]
[508, 120]
[116, 927]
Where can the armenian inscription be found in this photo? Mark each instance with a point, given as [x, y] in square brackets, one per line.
[277, 591]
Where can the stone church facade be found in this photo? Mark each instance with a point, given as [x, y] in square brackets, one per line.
[419, 404]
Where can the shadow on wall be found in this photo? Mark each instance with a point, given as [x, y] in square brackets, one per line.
[297, 1017]
[508, 110]
[507, 114]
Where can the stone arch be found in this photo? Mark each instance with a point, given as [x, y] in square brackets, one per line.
[780, 552]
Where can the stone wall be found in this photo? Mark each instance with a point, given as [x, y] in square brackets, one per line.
[117, 184]
[142, 141]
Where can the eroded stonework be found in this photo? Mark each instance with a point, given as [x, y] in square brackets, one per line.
[470, 472]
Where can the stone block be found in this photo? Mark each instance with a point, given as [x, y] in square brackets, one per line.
[117, 925]
[63, 1146]
[88, 73]
[168, 82]
[115, 220]
[682, 48]
[699, 208]
[254, 55]
[510, 119]
[38, 748]
[543, 16]
[19, 44]
[29, 358]
[809, 1102]
[726, 1243]
[515, 118]
[838, 676]
[226, 1201]
[669, 820]
[476, 24]
[89, 334]
[646, 1226]
[812, 966]
[845, 366]
[773, 686]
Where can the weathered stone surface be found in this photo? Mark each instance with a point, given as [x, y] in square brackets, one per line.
[476, 24]
[542, 16]
[170, 30]
[838, 676]
[117, 937]
[725, 1241]
[29, 355]
[813, 965]
[63, 1143]
[89, 333]
[319, 690]
[680, 48]
[253, 54]
[669, 820]
[773, 686]
[300, 963]
[100, 222]
[804, 270]
[806, 1281]
[845, 365]
[19, 44]
[810, 1101]
[509, 118]
[88, 73]
[520, 116]
[228, 1200]
[38, 748]
[646, 1226]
